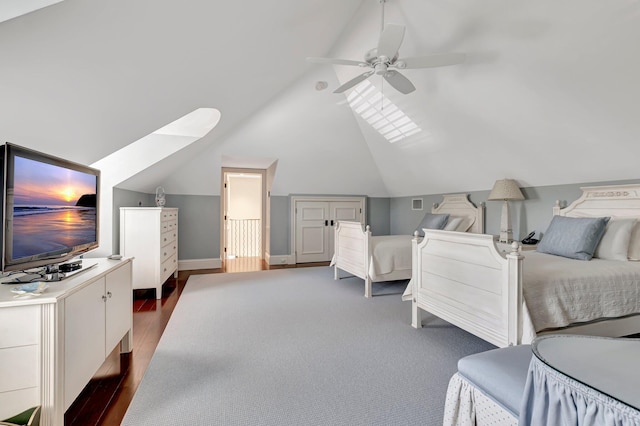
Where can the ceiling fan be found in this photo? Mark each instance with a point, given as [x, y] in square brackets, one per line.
[384, 60]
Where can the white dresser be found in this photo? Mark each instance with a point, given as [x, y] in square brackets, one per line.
[51, 345]
[150, 235]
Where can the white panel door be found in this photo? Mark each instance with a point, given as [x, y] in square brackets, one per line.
[118, 305]
[312, 231]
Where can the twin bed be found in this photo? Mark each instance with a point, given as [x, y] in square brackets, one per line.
[510, 299]
[505, 299]
[389, 257]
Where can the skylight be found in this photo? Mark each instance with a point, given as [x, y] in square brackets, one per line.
[389, 120]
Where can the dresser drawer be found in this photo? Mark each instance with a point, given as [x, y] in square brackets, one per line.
[24, 371]
[168, 237]
[167, 251]
[13, 402]
[19, 326]
[168, 267]
[169, 214]
[169, 225]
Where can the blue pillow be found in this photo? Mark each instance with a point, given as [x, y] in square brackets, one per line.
[573, 237]
[432, 221]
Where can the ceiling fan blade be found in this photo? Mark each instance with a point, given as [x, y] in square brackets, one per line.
[337, 61]
[390, 40]
[399, 82]
[349, 84]
[439, 60]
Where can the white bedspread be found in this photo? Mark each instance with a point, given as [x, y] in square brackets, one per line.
[560, 291]
[390, 253]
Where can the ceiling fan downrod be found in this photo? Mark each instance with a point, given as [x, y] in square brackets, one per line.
[382, 2]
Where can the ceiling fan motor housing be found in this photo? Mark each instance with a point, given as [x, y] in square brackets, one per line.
[371, 57]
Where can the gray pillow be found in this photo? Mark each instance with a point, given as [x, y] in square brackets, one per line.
[573, 237]
[432, 221]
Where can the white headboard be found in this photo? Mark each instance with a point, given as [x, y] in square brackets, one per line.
[459, 205]
[617, 201]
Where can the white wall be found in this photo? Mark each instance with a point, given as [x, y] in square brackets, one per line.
[245, 195]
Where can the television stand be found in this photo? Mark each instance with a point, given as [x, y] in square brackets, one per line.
[52, 345]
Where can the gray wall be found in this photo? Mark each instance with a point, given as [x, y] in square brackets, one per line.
[379, 216]
[280, 225]
[534, 213]
[198, 221]
[198, 225]
[199, 218]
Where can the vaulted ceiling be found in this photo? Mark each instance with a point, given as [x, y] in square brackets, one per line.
[548, 94]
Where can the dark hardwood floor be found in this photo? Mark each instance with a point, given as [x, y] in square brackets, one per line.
[105, 399]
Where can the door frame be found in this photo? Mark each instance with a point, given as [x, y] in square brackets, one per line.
[223, 205]
[296, 198]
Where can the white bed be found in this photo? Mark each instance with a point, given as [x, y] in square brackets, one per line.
[389, 257]
[465, 280]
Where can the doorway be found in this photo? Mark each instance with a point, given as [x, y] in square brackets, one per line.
[243, 219]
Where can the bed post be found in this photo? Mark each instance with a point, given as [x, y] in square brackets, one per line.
[336, 273]
[514, 289]
[367, 251]
[416, 312]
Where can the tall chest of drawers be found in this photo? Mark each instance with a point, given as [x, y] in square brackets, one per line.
[150, 236]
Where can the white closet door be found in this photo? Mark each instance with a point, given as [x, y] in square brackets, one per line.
[312, 231]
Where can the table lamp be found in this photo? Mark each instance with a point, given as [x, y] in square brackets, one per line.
[505, 190]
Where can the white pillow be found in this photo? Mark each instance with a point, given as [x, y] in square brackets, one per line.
[634, 243]
[614, 244]
[465, 224]
[453, 223]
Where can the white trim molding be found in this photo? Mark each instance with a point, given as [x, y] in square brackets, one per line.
[283, 259]
[195, 264]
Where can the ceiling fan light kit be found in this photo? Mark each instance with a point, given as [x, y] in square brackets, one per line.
[384, 60]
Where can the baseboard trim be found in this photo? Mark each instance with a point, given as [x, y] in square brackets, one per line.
[284, 259]
[195, 264]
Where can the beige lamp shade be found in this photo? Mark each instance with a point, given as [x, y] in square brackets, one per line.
[505, 189]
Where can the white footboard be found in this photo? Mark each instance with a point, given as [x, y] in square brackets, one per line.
[351, 253]
[463, 279]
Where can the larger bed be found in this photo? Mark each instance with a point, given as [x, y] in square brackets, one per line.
[509, 299]
[389, 257]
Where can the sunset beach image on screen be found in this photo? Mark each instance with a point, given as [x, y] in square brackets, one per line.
[54, 208]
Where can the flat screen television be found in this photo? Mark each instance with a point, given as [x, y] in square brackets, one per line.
[49, 208]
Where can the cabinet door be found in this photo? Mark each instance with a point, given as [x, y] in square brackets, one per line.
[84, 337]
[119, 306]
[312, 231]
[346, 210]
